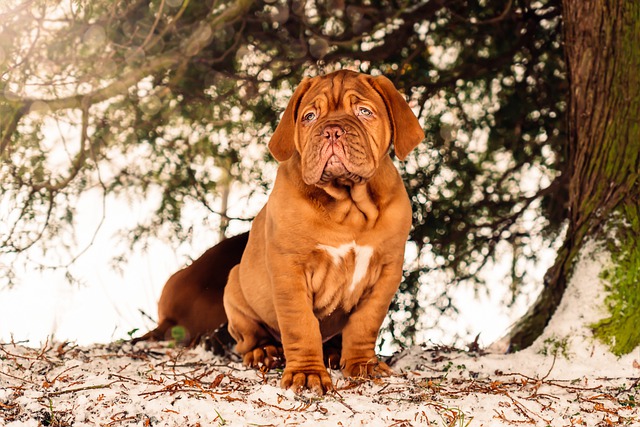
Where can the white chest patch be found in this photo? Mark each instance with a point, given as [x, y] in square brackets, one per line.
[362, 258]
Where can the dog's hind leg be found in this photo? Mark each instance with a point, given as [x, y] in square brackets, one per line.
[253, 341]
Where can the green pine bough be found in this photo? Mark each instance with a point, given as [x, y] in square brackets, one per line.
[621, 330]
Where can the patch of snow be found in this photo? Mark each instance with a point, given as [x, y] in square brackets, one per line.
[582, 304]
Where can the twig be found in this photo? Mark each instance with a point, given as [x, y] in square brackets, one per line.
[75, 390]
[553, 362]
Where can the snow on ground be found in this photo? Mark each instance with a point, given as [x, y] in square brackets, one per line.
[564, 379]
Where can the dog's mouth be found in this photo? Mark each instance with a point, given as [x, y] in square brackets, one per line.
[335, 169]
[338, 154]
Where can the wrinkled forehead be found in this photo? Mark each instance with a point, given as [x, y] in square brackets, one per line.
[334, 88]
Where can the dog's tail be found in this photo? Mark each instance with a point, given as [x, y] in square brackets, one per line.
[157, 334]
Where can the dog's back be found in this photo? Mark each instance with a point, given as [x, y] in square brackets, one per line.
[192, 297]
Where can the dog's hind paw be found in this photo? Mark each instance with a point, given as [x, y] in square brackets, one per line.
[368, 369]
[264, 358]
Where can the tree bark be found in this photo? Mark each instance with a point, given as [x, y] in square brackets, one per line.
[602, 48]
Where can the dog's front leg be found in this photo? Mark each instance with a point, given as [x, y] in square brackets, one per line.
[300, 334]
[361, 331]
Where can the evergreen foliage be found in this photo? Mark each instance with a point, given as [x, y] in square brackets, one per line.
[165, 100]
[620, 328]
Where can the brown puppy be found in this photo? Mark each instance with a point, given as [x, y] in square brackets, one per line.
[192, 297]
[325, 253]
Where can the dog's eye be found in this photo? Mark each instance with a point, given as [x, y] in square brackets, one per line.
[309, 116]
[365, 111]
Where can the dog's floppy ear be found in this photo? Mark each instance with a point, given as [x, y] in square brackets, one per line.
[282, 144]
[407, 133]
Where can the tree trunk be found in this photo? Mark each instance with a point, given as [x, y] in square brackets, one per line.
[602, 48]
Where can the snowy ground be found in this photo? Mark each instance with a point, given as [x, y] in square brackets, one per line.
[564, 379]
[155, 385]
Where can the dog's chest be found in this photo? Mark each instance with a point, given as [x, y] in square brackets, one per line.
[353, 258]
[340, 275]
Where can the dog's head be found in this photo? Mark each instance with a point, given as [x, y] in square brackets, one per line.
[342, 124]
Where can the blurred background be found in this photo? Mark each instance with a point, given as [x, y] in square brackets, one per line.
[134, 137]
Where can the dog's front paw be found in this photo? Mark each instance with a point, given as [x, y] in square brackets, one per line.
[316, 380]
[371, 368]
[266, 357]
